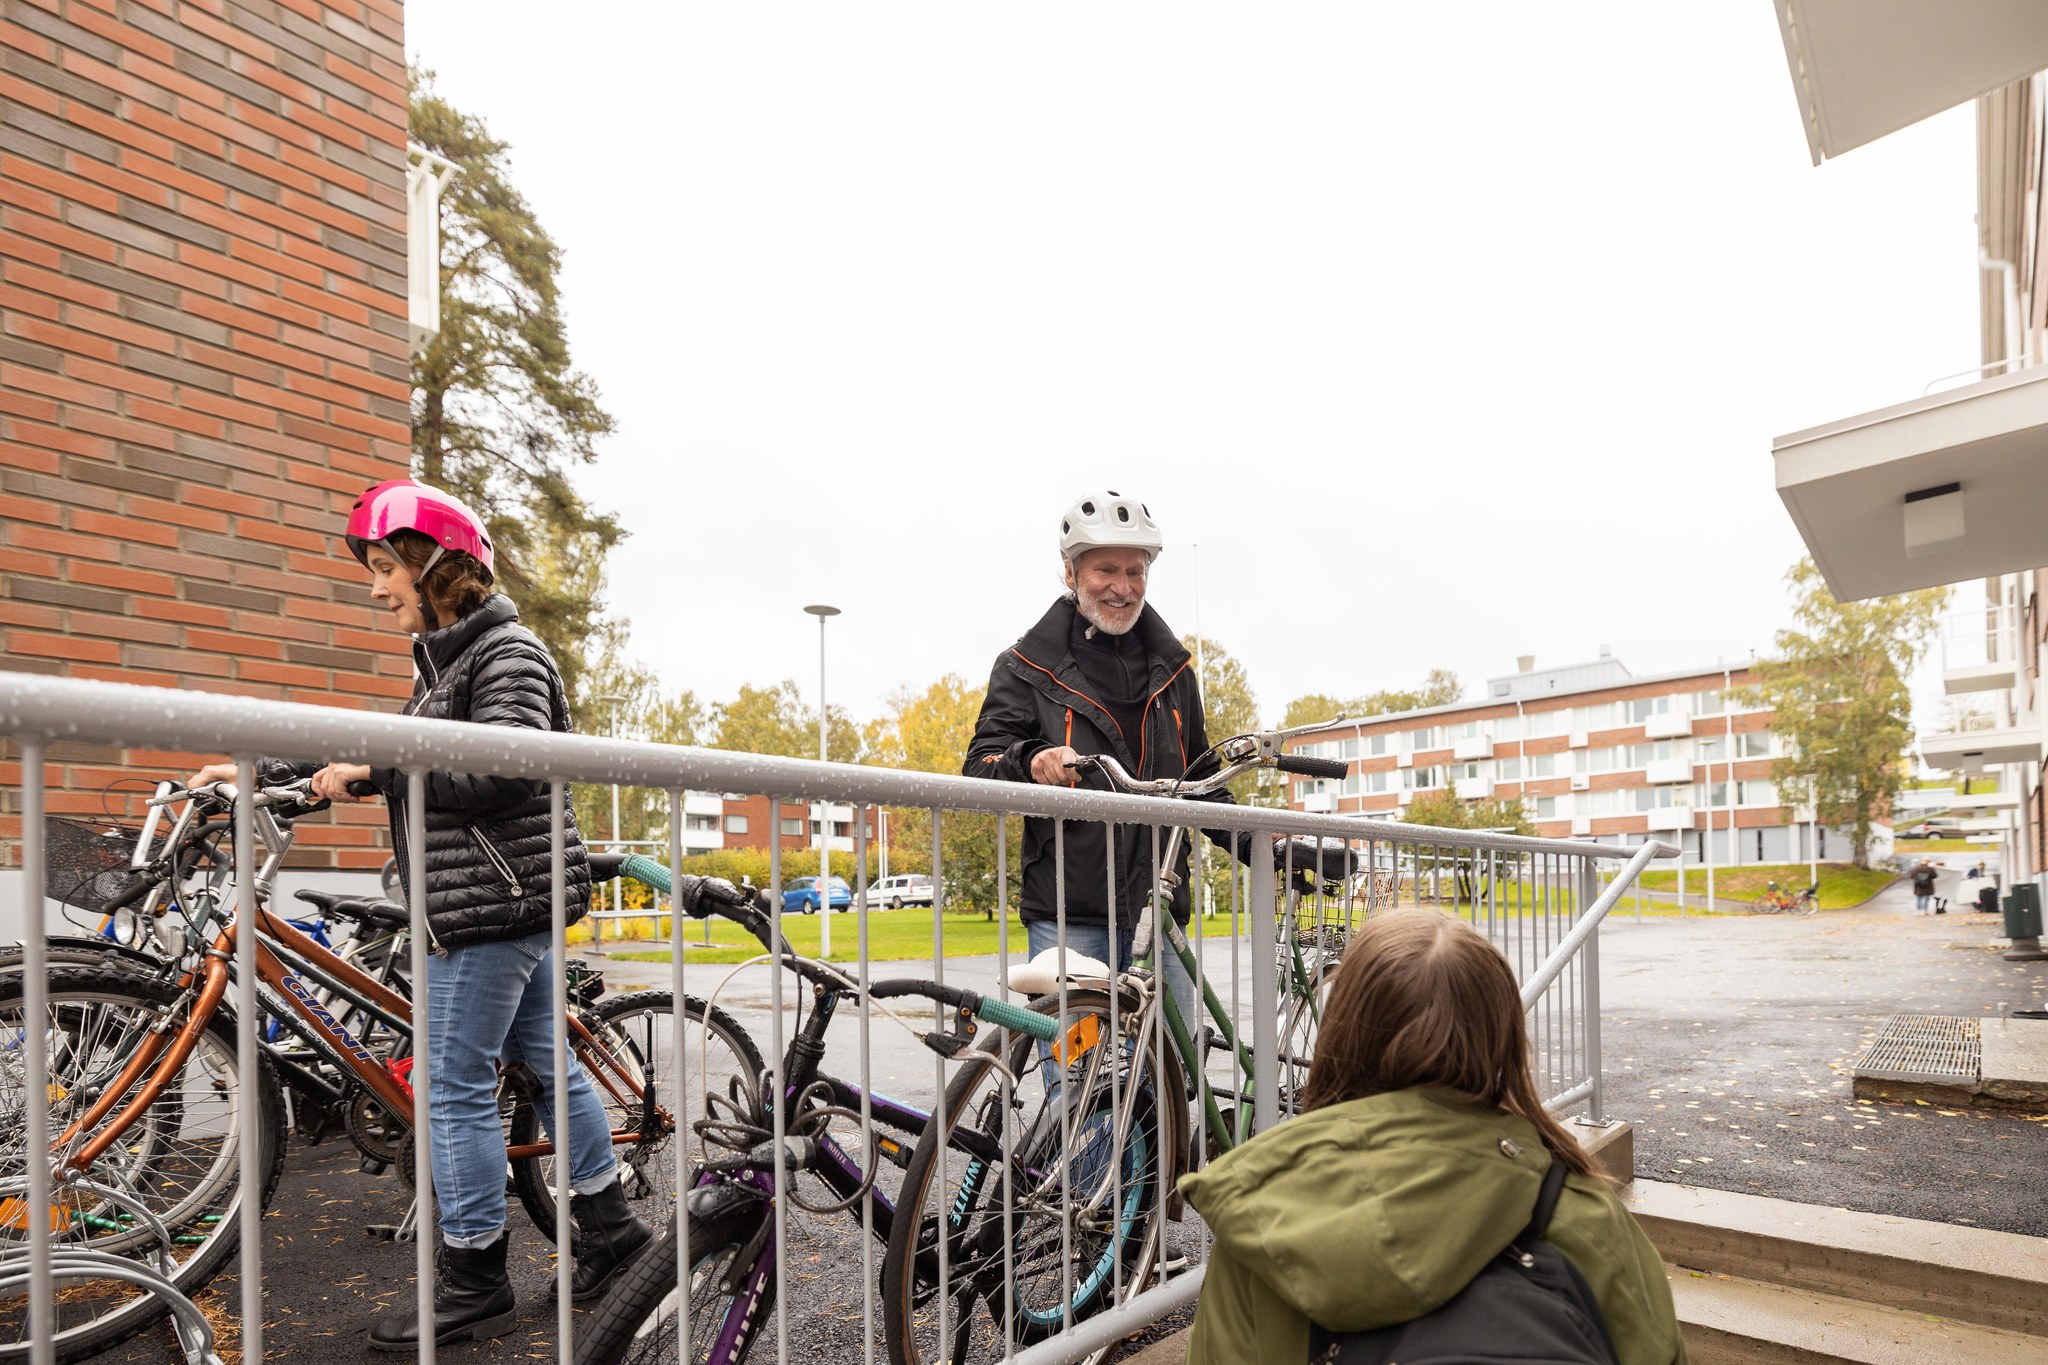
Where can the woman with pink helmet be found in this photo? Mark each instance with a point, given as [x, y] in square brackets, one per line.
[489, 907]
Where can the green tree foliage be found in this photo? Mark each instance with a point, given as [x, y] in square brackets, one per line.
[1434, 865]
[1838, 687]
[1230, 707]
[1440, 688]
[775, 720]
[501, 417]
[929, 732]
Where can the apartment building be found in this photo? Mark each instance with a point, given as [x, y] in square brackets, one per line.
[712, 821]
[1946, 487]
[1592, 752]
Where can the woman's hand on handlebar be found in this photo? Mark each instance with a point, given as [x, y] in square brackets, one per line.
[1050, 767]
[332, 782]
[210, 774]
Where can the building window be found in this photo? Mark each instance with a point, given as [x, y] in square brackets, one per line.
[1429, 737]
[1537, 724]
[735, 824]
[1640, 755]
[703, 824]
[1542, 765]
[793, 827]
[1708, 702]
[1417, 779]
[1509, 769]
[1376, 745]
[867, 831]
[1642, 708]
[1755, 744]
[1547, 808]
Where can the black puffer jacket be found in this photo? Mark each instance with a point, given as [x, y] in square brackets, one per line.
[488, 843]
[1038, 698]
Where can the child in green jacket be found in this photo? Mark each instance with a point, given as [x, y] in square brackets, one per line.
[1416, 1161]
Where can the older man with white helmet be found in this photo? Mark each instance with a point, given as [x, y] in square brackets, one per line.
[1099, 674]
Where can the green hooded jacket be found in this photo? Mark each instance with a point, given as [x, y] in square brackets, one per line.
[1377, 1211]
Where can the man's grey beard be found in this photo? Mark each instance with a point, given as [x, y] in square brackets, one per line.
[1091, 612]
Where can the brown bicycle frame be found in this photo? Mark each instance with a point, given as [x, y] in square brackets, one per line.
[210, 980]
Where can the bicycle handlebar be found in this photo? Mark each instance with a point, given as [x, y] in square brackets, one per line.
[1001, 1013]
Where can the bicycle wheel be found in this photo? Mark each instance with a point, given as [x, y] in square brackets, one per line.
[635, 1047]
[1300, 1023]
[180, 1159]
[640, 1321]
[1805, 905]
[1054, 1232]
[1765, 904]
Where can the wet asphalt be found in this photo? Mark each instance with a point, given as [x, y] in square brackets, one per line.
[1728, 1041]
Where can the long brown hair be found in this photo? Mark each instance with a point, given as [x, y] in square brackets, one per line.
[1424, 999]
[457, 584]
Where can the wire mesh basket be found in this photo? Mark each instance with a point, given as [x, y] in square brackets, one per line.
[86, 862]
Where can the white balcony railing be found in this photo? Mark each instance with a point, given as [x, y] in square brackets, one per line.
[1659, 771]
[1670, 725]
[1670, 818]
[1474, 788]
[1980, 650]
[1472, 748]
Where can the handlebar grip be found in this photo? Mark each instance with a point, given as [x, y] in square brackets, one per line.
[957, 996]
[1016, 1018]
[1303, 766]
[642, 868]
[605, 866]
[365, 787]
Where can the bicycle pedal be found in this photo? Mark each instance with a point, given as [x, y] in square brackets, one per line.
[896, 1153]
[382, 1232]
[1214, 1040]
[370, 1165]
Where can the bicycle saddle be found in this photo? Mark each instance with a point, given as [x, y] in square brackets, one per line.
[368, 909]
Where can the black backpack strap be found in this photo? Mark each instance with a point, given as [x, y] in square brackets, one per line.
[1546, 1202]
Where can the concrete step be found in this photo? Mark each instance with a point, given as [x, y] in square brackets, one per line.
[1728, 1321]
[1969, 1275]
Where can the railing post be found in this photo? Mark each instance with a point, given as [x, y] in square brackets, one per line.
[35, 927]
[1265, 986]
[1589, 970]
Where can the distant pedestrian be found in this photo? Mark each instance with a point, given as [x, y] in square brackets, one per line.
[1974, 873]
[1923, 886]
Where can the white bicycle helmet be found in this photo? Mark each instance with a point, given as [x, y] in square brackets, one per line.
[1101, 520]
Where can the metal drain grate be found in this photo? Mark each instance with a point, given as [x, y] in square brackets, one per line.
[1923, 1047]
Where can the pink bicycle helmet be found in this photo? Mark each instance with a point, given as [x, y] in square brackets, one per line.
[409, 505]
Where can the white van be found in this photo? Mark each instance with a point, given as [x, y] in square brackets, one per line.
[896, 892]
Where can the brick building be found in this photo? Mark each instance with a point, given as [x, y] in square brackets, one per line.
[204, 358]
[1592, 752]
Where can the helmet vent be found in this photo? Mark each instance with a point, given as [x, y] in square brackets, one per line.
[1087, 509]
[1123, 513]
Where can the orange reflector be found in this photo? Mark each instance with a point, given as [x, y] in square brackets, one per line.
[1085, 1034]
[14, 1216]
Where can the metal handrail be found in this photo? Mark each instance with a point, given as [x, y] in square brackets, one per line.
[60, 709]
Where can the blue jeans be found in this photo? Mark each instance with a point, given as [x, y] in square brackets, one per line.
[490, 1001]
[1092, 940]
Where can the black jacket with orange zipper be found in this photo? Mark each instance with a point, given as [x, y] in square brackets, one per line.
[1038, 698]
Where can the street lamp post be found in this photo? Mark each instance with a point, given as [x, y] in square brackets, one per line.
[823, 612]
[612, 705]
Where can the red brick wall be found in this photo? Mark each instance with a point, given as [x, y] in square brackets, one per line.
[202, 356]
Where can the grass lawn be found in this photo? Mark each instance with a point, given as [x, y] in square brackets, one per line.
[1840, 884]
[893, 936]
[1911, 848]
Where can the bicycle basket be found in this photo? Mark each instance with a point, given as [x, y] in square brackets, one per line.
[85, 864]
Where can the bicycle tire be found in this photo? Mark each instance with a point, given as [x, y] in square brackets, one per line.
[1298, 1031]
[194, 1186]
[1805, 905]
[639, 1028]
[637, 1322]
[1764, 905]
[985, 1244]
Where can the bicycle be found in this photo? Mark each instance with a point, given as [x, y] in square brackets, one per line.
[1776, 900]
[1094, 1180]
[147, 1097]
[732, 1232]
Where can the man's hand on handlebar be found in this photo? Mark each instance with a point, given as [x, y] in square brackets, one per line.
[702, 897]
[1053, 767]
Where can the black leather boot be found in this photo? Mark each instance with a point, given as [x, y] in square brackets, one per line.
[472, 1298]
[608, 1237]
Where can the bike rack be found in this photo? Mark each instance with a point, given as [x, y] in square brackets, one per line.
[194, 1333]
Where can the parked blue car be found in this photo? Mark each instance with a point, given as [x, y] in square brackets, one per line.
[801, 895]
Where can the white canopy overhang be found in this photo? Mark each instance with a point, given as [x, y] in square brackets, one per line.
[1864, 68]
[1945, 488]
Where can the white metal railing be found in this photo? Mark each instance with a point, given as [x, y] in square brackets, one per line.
[1980, 638]
[1262, 958]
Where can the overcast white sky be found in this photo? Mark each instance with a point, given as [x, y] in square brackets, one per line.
[1448, 333]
